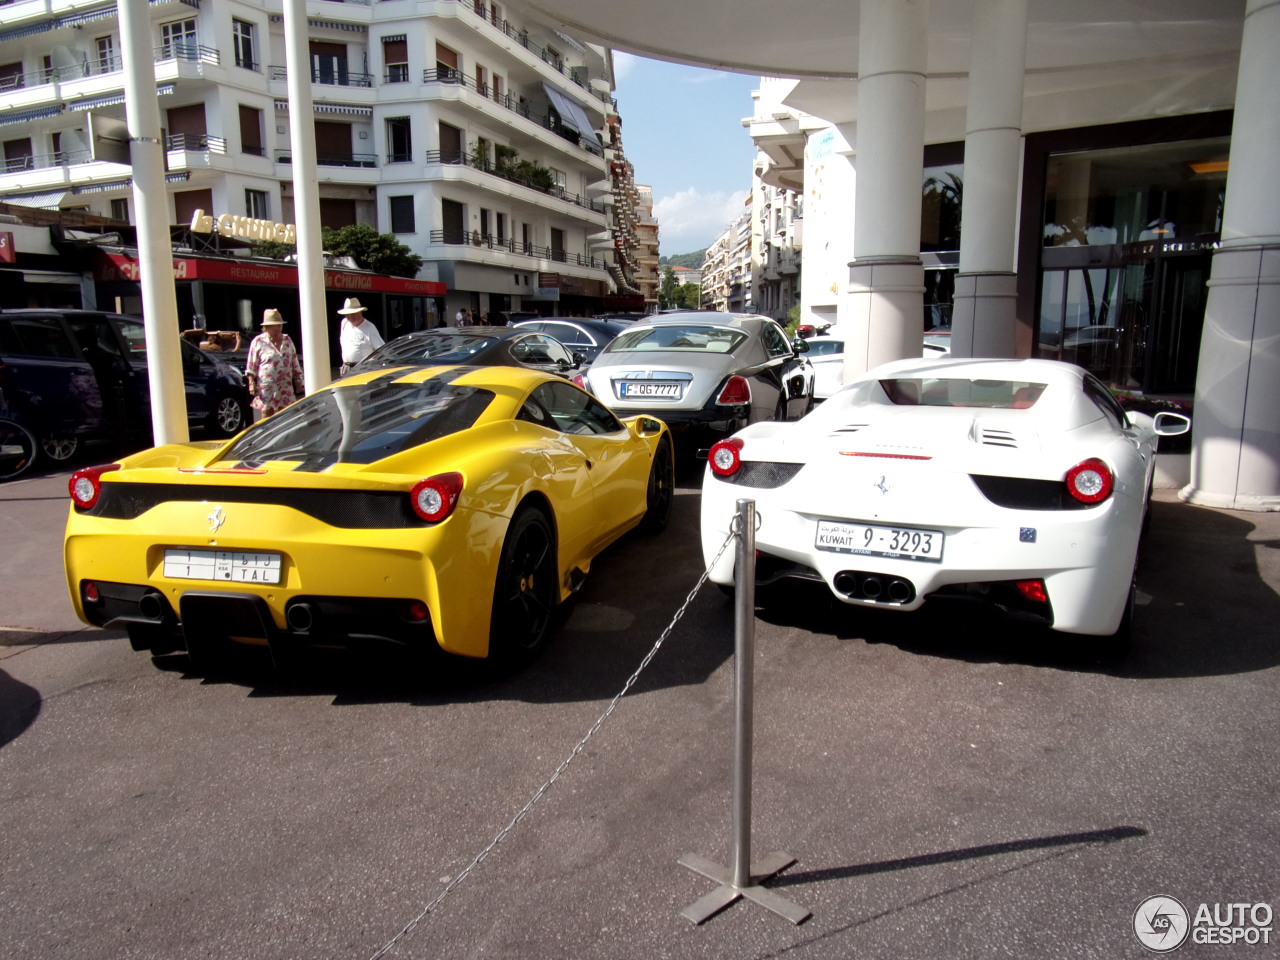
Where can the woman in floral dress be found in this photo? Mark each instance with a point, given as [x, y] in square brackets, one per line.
[273, 368]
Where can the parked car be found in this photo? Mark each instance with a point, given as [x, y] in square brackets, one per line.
[428, 506]
[1021, 484]
[475, 346]
[937, 343]
[72, 377]
[704, 373]
[579, 335]
[827, 356]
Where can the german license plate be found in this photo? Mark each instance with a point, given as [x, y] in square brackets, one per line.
[873, 540]
[233, 566]
[647, 388]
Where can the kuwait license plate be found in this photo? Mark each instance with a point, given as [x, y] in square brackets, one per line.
[903, 543]
[648, 388]
[233, 566]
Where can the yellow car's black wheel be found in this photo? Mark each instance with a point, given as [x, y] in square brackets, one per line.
[525, 595]
[17, 449]
[661, 492]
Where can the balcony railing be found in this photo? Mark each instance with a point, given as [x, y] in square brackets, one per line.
[63, 158]
[499, 169]
[336, 78]
[36, 78]
[585, 139]
[521, 36]
[195, 52]
[196, 143]
[474, 238]
[334, 160]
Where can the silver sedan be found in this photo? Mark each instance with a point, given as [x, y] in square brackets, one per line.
[704, 373]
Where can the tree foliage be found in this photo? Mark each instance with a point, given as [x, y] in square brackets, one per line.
[371, 250]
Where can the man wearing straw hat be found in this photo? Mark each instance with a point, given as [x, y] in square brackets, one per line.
[357, 337]
[272, 368]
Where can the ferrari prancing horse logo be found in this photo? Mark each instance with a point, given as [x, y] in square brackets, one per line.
[216, 519]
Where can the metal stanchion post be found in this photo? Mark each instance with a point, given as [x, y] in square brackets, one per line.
[744, 879]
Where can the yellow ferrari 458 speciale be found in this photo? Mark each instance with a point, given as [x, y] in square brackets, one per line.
[425, 505]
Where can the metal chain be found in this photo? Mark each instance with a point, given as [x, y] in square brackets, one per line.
[538, 794]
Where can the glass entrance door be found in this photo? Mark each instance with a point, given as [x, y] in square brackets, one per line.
[1134, 325]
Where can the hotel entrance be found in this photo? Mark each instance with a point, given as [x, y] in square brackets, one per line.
[1133, 319]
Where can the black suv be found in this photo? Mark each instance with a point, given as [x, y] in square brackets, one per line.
[70, 377]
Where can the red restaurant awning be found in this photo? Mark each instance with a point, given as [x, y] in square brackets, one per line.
[114, 267]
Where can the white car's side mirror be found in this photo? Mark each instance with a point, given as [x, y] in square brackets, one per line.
[1171, 424]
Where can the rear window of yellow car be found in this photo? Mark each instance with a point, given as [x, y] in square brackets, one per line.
[361, 423]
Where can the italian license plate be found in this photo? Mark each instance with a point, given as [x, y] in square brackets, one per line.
[648, 388]
[233, 566]
[873, 540]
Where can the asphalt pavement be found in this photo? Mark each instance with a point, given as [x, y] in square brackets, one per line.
[949, 784]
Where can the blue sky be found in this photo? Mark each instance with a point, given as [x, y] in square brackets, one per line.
[682, 131]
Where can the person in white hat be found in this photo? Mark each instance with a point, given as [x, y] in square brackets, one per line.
[272, 368]
[357, 336]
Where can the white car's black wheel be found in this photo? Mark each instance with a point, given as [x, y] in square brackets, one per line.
[524, 597]
[17, 450]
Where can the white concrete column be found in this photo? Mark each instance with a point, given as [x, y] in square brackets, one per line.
[155, 248]
[984, 317]
[1235, 457]
[306, 198]
[883, 313]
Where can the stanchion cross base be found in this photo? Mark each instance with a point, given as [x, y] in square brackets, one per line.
[726, 894]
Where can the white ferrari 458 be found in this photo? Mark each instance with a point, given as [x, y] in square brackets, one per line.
[1020, 483]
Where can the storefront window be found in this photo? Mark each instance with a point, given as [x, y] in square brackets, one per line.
[1136, 194]
[1128, 236]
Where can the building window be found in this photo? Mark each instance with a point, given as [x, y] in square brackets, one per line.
[446, 64]
[256, 204]
[242, 41]
[178, 40]
[251, 131]
[106, 61]
[402, 219]
[395, 59]
[120, 209]
[399, 140]
[11, 77]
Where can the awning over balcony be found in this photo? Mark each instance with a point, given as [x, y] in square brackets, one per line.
[347, 109]
[35, 113]
[571, 115]
[39, 201]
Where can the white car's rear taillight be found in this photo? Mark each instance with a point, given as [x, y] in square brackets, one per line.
[725, 457]
[1090, 481]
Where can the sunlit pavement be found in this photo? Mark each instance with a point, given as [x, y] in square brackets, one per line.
[951, 786]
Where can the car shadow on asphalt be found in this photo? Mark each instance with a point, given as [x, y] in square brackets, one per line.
[601, 636]
[19, 707]
[1204, 609]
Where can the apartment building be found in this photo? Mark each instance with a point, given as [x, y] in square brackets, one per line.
[465, 128]
[647, 276]
[726, 268]
[777, 219]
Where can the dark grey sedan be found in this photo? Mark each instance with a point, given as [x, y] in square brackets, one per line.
[476, 347]
[704, 373]
[580, 334]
